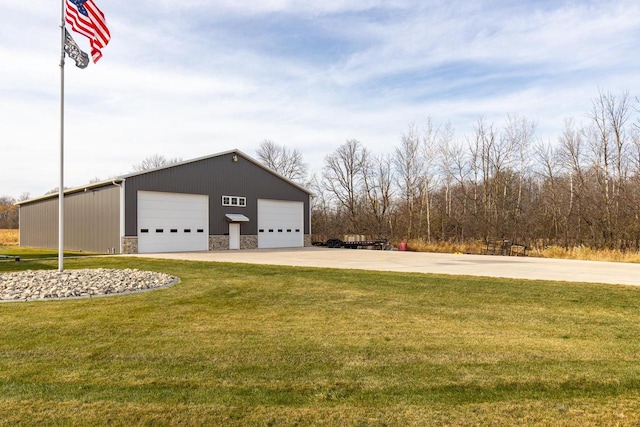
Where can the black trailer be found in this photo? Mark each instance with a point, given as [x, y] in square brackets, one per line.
[380, 244]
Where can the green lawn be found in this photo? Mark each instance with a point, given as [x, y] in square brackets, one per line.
[263, 345]
[37, 253]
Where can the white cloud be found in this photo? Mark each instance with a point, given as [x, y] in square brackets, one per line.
[283, 6]
[186, 79]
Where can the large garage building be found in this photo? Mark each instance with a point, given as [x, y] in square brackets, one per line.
[223, 201]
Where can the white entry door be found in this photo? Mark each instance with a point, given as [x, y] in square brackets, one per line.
[234, 235]
[172, 222]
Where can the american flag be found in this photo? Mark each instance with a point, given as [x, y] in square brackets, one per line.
[85, 18]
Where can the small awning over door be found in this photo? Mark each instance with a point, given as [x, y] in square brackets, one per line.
[236, 218]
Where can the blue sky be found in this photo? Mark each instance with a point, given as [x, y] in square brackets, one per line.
[194, 77]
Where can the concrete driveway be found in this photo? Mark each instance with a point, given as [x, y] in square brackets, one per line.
[419, 262]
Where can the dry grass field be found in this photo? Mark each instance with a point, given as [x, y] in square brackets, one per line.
[579, 252]
[9, 237]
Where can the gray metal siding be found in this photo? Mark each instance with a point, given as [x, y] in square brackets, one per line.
[215, 177]
[92, 221]
[39, 224]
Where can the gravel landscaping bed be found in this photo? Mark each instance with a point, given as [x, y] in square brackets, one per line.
[52, 284]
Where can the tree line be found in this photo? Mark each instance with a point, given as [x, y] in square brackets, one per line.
[500, 182]
[9, 213]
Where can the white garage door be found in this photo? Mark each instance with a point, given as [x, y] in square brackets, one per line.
[172, 222]
[280, 224]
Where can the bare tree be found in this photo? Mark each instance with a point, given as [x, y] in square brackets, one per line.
[378, 180]
[453, 167]
[617, 112]
[286, 162]
[571, 153]
[609, 139]
[408, 161]
[550, 169]
[519, 136]
[8, 212]
[321, 212]
[486, 165]
[430, 154]
[155, 161]
[343, 178]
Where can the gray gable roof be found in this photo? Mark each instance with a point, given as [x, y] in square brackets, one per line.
[121, 178]
[224, 153]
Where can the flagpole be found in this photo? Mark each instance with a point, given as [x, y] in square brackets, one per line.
[86, 19]
[61, 186]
